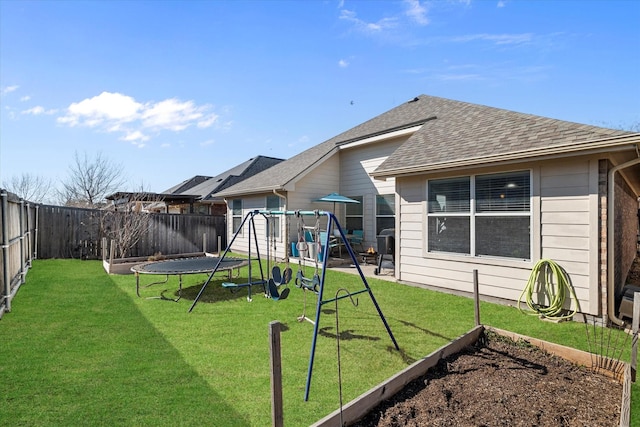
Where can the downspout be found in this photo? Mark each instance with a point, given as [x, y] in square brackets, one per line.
[286, 222]
[610, 241]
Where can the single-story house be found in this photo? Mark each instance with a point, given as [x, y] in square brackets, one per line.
[196, 194]
[470, 187]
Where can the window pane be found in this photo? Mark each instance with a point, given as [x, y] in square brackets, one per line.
[383, 222]
[505, 192]
[273, 203]
[354, 223]
[503, 236]
[449, 195]
[385, 204]
[354, 208]
[236, 223]
[449, 234]
[274, 227]
[236, 206]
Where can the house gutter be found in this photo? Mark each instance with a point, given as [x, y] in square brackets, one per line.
[605, 145]
[610, 241]
[286, 227]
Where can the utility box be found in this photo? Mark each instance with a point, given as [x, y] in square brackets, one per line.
[626, 304]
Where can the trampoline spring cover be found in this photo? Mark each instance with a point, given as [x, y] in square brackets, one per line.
[188, 265]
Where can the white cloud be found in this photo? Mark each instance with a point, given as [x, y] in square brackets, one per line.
[499, 39]
[115, 112]
[8, 89]
[343, 63]
[25, 98]
[135, 136]
[208, 121]
[106, 107]
[207, 142]
[417, 12]
[38, 110]
[367, 27]
[501, 3]
[171, 114]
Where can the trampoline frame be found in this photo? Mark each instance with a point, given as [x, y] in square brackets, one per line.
[138, 269]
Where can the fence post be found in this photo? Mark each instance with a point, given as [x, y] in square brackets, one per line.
[634, 328]
[112, 250]
[5, 252]
[204, 242]
[23, 269]
[277, 417]
[476, 296]
[35, 237]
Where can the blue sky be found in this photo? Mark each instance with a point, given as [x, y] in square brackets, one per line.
[176, 89]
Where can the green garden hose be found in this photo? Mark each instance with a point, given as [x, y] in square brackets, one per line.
[541, 282]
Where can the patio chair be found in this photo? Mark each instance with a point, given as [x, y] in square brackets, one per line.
[334, 242]
[357, 237]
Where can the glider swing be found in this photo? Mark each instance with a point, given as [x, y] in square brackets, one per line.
[307, 284]
[278, 278]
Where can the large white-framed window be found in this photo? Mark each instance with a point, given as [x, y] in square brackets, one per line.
[355, 214]
[481, 215]
[273, 203]
[385, 212]
[236, 214]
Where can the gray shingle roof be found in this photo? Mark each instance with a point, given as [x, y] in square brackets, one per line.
[285, 173]
[470, 133]
[452, 131]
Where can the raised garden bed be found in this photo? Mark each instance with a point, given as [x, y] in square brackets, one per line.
[508, 379]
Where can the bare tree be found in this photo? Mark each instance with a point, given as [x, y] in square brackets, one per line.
[127, 223]
[91, 180]
[125, 229]
[30, 187]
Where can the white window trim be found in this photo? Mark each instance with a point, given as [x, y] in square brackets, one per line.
[234, 216]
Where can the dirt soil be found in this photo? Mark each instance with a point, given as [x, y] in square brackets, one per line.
[503, 384]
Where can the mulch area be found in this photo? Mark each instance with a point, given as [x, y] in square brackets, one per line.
[502, 383]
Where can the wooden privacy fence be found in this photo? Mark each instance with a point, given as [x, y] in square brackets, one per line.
[32, 231]
[66, 232]
[19, 240]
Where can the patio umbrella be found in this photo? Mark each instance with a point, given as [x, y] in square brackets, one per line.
[335, 198]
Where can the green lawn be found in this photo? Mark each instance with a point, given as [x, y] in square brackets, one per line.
[80, 348]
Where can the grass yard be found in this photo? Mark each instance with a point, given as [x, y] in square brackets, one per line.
[80, 348]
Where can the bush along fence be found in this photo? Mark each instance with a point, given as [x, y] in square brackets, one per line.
[19, 240]
[31, 231]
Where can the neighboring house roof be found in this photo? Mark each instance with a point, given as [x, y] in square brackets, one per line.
[449, 133]
[207, 187]
[186, 184]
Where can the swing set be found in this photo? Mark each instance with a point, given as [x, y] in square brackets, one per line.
[280, 279]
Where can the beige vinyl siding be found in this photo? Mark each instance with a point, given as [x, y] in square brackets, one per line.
[563, 229]
[322, 180]
[355, 165]
[568, 231]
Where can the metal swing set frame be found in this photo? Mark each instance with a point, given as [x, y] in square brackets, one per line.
[332, 224]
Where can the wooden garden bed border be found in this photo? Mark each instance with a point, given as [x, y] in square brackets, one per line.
[362, 405]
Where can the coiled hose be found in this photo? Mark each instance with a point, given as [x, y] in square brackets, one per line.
[542, 275]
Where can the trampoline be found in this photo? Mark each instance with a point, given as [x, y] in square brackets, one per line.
[182, 266]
